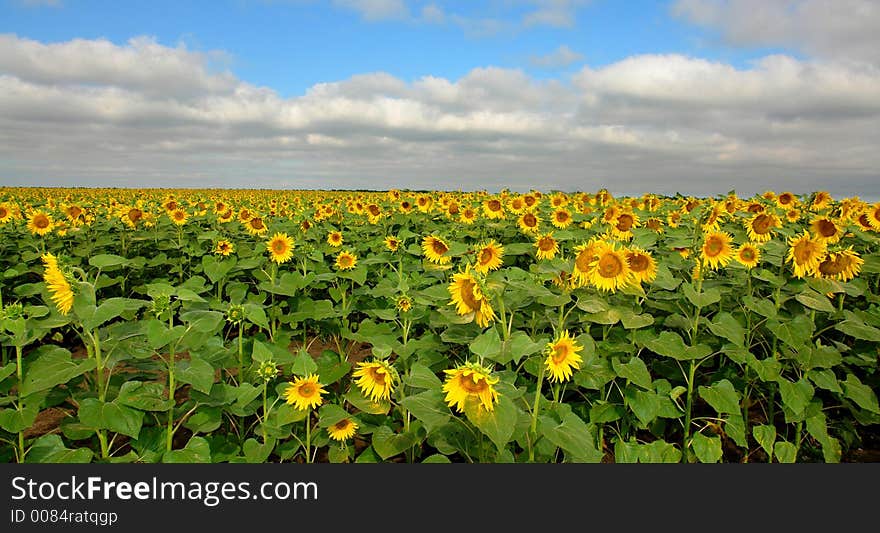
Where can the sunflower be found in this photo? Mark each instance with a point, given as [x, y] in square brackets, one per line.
[404, 304]
[713, 221]
[547, 246]
[793, 215]
[826, 230]
[346, 260]
[623, 225]
[342, 430]
[256, 226]
[760, 226]
[178, 216]
[805, 254]
[40, 223]
[654, 224]
[435, 250]
[873, 213]
[716, 251]
[562, 357]
[585, 255]
[467, 297]
[226, 216]
[280, 248]
[58, 284]
[863, 221]
[405, 207]
[304, 393]
[821, 200]
[561, 218]
[425, 202]
[748, 255]
[642, 265]
[610, 271]
[470, 382]
[132, 217]
[376, 379]
[489, 257]
[334, 239]
[843, 265]
[468, 216]
[224, 247]
[786, 200]
[493, 208]
[6, 213]
[528, 222]
[516, 205]
[673, 218]
[392, 243]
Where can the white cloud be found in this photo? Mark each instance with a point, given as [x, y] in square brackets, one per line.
[559, 58]
[146, 113]
[374, 10]
[556, 13]
[840, 29]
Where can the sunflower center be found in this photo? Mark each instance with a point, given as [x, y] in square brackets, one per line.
[583, 259]
[41, 221]
[438, 247]
[834, 265]
[747, 254]
[171, 205]
[755, 208]
[530, 200]
[342, 425]
[638, 262]
[179, 215]
[785, 198]
[714, 246]
[135, 214]
[74, 212]
[472, 384]
[517, 204]
[306, 390]
[494, 205]
[546, 244]
[345, 261]
[562, 216]
[377, 375]
[373, 209]
[3, 212]
[863, 220]
[624, 222]
[279, 247]
[257, 223]
[610, 265]
[467, 294]
[762, 224]
[826, 228]
[560, 353]
[529, 220]
[486, 256]
[804, 251]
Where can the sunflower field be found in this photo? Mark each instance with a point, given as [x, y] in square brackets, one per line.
[308, 326]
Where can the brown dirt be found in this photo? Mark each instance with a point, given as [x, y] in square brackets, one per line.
[48, 421]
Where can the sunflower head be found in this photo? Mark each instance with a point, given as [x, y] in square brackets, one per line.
[392, 243]
[346, 260]
[304, 393]
[376, 379]
[842, 265]
[342, 430]
[436, 250]
[562, 357]
[748, 255]
[467, 295]
[489, 257]
[57, 279]
[546, 246]
[611, 271]
[716, 250]
[224, 248]
[334, 239]
[470, 383]
[40, 223]
[826, 229]
[805, 254]
[642, 264]
[280, 248]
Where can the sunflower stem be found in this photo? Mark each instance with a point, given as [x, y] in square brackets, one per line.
[534, 426]
[309, 436]
[685, 456]
[19, 375]
[265, 410]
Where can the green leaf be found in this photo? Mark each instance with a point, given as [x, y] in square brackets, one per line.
[658, 451]
[188, 295]
[764, 308]
[573, 436]
[50, 449]
[48, 366]
[817, 427]
[146, 396]
[519, 345]
[106, 260]
[110, 309]
[387, 444]
[303, 364]
[197, 450]
[670, 344]
[726, 326]
[795, 396]
[203, 321]
[428, 407]
[785, 452]
[256, 315]
[422, 377]
[257, 452]
[13, 420]
[635, 371]
[645, 405]
[601, 413]
[701, 299]
[330, 414]
[856, 391]
[498, 424]
[735, 428]
[7, 371]
[487, 344]
[765, 435]
[204, 420]
[859, 330]
[197, 372]
[825, 379]
[707, 449]
[721, 396]
[436, 458]
[96, 414]
[814, 300]
[795, 332]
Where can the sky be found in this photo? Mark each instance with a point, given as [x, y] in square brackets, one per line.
[693, 97]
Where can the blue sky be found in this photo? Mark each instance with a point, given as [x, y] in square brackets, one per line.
[699, 96]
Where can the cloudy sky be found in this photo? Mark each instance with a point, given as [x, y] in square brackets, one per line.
[687, 96]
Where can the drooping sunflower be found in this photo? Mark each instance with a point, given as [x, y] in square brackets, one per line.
[805, 254]
[280, 247]
[748, 255]
[716, 250]
[562, 357]
[611, 270]
[342, 430]
[528, 222]
[547, 247]
[224, 247]
[58, 284]
[256, 226]
[304, 393]
[841, 265]
[821, 200]
[470, 382]
[179, 216]
[468, 297]
[346, 260]
[489, 256]
[376, 379]
[40, 223]
[761, 226]
[561, 218]
[827, 230]
[642, 265]
[392, 243]
[435, 250]
[334, 239]
[585, 255]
